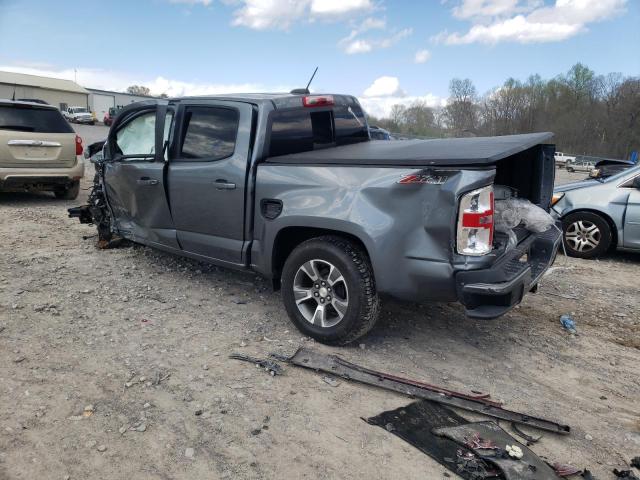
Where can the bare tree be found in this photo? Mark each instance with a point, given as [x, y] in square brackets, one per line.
[461, 112]
[138, 90]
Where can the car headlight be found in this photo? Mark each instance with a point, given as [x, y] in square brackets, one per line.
[556, 198]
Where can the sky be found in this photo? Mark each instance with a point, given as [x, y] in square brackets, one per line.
[383, 51]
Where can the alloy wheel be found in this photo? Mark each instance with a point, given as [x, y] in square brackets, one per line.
[321, 293]
[582, 235]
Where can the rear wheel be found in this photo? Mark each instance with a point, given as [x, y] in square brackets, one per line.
[329, 290]
[69, 193]
[586, 235]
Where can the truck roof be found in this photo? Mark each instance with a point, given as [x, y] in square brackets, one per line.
[436, 152]
[279, 100]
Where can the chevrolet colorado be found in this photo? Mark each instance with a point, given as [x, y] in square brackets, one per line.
[291, 186]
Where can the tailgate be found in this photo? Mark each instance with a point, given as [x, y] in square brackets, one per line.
[30, 149]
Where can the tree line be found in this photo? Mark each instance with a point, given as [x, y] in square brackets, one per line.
[590, 114]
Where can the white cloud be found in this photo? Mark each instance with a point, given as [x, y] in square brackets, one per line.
[118, 81]
[523, 21]
[281, 14]
[422, 56]
[270, 14]
[492, 8]
[352, 44]
[385, 92]
[384, 87]
[380, 107]
[205, 3]
[338, 7]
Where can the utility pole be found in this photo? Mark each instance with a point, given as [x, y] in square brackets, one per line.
[75, 75]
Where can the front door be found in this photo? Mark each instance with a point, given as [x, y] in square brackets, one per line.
[632, 217]
[207, 173]
[134, 174]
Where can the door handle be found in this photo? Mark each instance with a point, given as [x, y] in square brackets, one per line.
[147, 181]
[222, 184]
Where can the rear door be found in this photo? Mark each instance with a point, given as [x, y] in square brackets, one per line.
[33, 137]
[207, 175]
[134, 175]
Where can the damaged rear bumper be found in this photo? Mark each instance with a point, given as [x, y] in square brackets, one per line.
[491, 292]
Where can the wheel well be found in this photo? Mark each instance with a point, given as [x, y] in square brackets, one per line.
[607, 218]
[290, 237]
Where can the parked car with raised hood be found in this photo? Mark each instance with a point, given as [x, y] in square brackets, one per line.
[291, 186]
[600, 214]
[79, 115]
[607, 167]
[38, 150]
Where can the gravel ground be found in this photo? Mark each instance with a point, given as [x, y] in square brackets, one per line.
[113, 364]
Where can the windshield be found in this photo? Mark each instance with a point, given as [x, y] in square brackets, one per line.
[80, 110]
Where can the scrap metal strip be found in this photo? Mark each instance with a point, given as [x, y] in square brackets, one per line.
[337, 366]
[482, 398]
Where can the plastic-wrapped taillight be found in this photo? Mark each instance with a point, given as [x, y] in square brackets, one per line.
[475, 222]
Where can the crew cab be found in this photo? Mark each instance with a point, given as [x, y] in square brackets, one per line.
[291, 186]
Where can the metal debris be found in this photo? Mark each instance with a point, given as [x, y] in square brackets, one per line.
[337, 366]
[516, 461]
[530, 440]
[269, 365]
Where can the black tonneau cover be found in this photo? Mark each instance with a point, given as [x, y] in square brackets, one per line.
[446, 151]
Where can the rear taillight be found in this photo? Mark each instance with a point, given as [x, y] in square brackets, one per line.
[475, 222]
[317, 100]
[78, 145]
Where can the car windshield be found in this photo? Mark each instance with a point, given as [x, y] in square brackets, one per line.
[79, 110]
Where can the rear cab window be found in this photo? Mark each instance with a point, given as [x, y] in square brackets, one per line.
[28, 118]
[302, 129]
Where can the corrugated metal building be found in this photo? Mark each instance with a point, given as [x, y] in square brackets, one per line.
[100, 101]
[54, 91]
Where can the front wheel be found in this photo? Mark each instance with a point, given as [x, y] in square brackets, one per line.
[329, 291]
[586, 235]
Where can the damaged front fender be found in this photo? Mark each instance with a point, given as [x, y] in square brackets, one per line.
[96, 211]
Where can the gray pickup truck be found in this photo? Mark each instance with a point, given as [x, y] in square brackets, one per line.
[291, 186]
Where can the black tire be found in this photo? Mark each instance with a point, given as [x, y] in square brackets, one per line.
[570, 169]
[574, 228]
[69, 193]
[352, 262]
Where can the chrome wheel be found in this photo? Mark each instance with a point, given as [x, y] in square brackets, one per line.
[583, 236]
[321, 293]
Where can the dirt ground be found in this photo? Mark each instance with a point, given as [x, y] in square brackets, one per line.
[113, 364]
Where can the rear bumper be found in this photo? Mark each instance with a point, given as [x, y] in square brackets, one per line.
[491, 292]
[41, 178]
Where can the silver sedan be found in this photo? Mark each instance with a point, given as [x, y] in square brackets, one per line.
[600, 214]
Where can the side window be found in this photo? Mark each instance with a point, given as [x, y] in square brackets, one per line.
[209, 133]
[138, 137]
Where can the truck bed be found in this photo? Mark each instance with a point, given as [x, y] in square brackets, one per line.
[436, 152]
